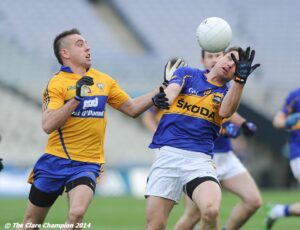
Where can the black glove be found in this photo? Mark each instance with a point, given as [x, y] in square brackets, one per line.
[243, 65]
[249, 128]
[160, 99]
[171, 66]
[1, 164]
[82, 88]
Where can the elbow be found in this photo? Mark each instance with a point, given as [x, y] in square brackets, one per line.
[47, 129]
[134, 115]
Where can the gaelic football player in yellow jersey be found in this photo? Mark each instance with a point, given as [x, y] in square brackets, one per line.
[74, 104]
[198, 102]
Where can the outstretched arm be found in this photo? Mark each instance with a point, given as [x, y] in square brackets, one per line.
[161, 99]
[232, 100]
[134, 107]
[243, 69]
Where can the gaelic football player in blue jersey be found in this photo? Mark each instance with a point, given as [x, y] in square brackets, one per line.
[288, 118]
[197, 103]
[74, 104]
[231, 173]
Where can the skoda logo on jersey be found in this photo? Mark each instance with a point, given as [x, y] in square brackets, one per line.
[90, 103]
[192, 91]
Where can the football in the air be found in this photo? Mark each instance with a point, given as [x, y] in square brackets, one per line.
[214, 34]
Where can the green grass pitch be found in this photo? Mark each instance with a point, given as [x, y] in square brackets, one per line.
[127, 213]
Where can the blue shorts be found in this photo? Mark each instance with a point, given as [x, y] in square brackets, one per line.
[51, 173]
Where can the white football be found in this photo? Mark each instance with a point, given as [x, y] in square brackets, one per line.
[214, 34]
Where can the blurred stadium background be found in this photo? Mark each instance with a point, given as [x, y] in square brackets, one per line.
[131, 40]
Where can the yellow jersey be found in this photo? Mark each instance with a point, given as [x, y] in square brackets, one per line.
[81, 138]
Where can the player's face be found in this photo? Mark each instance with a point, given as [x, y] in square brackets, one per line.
[78, 51]
[210, 59]
[225, 67]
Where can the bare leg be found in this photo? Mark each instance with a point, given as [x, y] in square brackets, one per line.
[207, 196]
[157, 212]
[34, 215]
[245, 187]
[80, 198]
[294, 209]
[190, 216]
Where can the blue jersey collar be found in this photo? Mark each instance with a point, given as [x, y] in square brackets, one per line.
[66, 69]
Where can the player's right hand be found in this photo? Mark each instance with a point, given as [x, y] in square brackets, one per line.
[292, 120]
[230, 130]
[171, 66]
[82, 88]
[244, 65]
[1, 164]
[160, 99]
[249, 128]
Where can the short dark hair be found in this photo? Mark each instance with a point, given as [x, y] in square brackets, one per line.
[203, 53]
[58, 39]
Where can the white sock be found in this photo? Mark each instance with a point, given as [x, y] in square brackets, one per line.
[278, 211]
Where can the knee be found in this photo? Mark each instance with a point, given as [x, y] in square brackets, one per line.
[210, 214]
[253, 203]
[155, 224]
[76, 214]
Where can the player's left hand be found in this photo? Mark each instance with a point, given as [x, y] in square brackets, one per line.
[160, 99]
[248, 128]
[244, 65]
[171, 66]
[1, 164]
[230, 130]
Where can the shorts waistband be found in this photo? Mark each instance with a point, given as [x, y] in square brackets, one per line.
[188, 153]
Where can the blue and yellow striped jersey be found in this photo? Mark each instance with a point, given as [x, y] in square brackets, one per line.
[292, 105]
[192, 122]
[81, 138]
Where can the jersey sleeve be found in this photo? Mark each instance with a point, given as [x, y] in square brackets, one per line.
[181, 76]
[53, 96]
[117, 96]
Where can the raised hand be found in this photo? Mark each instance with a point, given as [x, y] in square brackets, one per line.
[171, 66]
[244, 65]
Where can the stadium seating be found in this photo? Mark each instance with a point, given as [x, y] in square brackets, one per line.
[165, 28]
